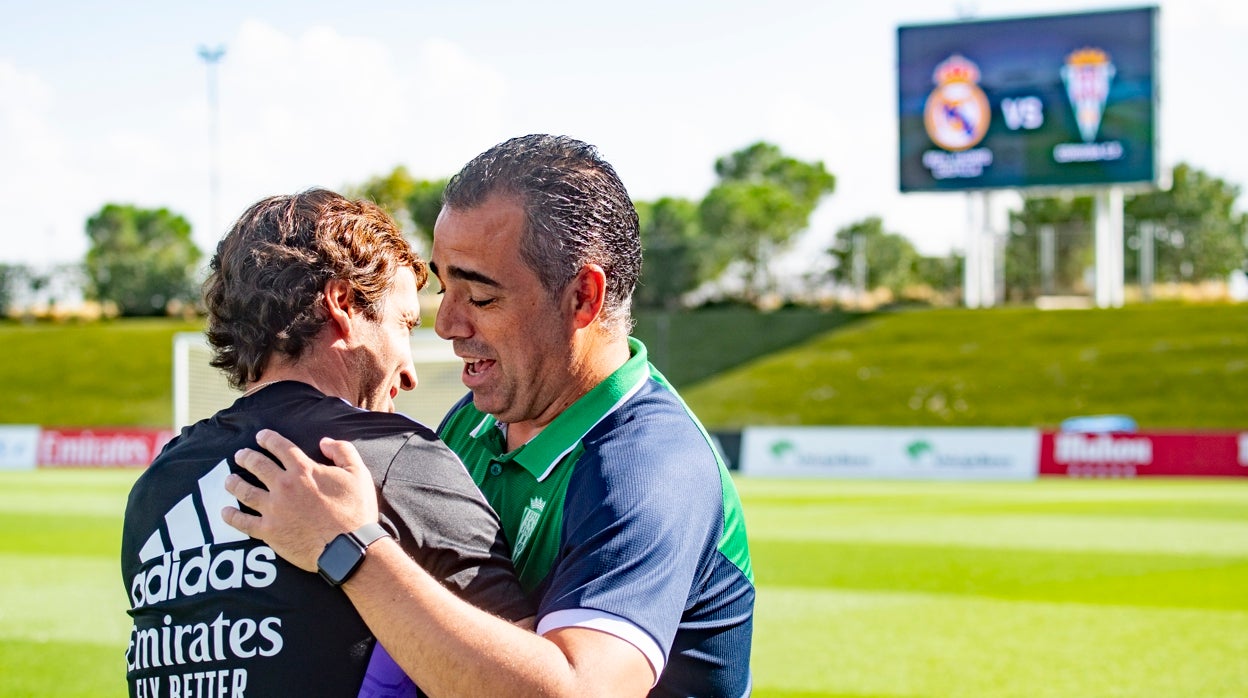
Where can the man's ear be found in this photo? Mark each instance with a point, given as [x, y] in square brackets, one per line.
[338, 305]
[589, 294]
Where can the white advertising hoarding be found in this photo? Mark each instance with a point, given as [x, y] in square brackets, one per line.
[901, 453]
[18, 444]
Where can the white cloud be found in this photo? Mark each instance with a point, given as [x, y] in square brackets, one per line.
[323, 109]
[457, 107]
[330, 97]
[41, 196]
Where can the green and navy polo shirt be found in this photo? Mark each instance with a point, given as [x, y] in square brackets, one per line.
[622, 517]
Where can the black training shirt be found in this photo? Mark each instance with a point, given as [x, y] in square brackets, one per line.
[218, 613]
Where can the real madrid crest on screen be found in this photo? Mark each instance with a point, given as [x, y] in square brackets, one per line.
[957, 113]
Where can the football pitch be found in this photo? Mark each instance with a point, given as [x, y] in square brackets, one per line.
[898, 589]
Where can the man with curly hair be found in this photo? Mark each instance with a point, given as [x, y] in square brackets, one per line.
[625, 526]
[311, 301]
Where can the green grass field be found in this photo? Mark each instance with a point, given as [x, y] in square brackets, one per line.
[905, 590]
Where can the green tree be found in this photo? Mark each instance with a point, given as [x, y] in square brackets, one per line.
[141, 259]
[670, 234]
[12, 276]
[1197, 234]
[1065, 223]
[892, 262]
[762, 200]
[424, 203]
[414, 203]
[389, 191]
[942, 274]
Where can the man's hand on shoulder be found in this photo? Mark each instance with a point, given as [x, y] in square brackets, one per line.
[303, 504]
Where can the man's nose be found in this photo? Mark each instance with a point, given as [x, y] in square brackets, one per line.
[407, 378]
[447, 323]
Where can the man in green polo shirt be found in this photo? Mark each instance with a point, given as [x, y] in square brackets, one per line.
[625, 527]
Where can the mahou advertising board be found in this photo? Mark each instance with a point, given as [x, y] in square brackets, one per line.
[1138, 454]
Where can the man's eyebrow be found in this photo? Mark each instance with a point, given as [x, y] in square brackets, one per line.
[465, 275]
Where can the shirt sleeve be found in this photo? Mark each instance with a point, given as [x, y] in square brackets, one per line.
[641, 512]
[443, 522]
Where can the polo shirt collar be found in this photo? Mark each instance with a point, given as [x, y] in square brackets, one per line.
[541, 454]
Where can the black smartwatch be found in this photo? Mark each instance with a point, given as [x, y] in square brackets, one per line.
[343, 555]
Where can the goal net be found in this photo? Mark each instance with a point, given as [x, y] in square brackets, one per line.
[199, 390]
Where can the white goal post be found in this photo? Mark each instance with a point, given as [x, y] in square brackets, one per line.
[199, 390]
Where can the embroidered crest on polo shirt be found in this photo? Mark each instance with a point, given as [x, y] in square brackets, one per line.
[528, 523]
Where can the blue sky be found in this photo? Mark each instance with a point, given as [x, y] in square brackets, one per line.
[108, 102]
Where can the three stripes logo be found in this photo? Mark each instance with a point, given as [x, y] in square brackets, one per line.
[194, 552]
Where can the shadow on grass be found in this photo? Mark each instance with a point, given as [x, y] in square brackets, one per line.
[689, 346]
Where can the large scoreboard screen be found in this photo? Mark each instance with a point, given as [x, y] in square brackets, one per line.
[1051, 101]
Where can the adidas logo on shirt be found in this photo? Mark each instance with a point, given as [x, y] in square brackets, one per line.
[192, 556]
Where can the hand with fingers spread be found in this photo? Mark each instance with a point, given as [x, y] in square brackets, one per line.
[306, 504]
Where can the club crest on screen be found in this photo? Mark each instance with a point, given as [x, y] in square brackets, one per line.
[957, 112]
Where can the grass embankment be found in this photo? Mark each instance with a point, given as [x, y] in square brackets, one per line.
[1053, 588]
[114, 373]
[1167, 366]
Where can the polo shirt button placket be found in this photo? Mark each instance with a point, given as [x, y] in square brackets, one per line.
[496, 468]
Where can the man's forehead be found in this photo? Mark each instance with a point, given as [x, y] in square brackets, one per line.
[499, 212]
[478, 243]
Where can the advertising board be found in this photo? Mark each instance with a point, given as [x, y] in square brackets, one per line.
[1117, 455]
[891, 452]
[18, 443]
[91, 448]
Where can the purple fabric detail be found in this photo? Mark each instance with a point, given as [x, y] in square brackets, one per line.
[384, 678]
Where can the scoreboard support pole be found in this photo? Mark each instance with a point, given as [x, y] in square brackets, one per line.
[1107, 207]
[980, 270]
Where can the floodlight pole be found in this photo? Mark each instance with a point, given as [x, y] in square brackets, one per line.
[211, 58]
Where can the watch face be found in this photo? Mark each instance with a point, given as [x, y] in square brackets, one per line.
[339, 559]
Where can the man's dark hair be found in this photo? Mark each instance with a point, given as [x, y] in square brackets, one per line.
[576, 209]
[266, 285]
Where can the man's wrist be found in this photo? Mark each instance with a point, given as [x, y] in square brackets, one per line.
[342, 555]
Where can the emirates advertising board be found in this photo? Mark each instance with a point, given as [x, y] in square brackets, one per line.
[1049, 101]
[99, 448]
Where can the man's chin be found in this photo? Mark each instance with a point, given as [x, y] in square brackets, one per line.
[383, 404]
[484, 404]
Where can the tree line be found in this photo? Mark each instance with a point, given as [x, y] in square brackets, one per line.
[144, 261]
